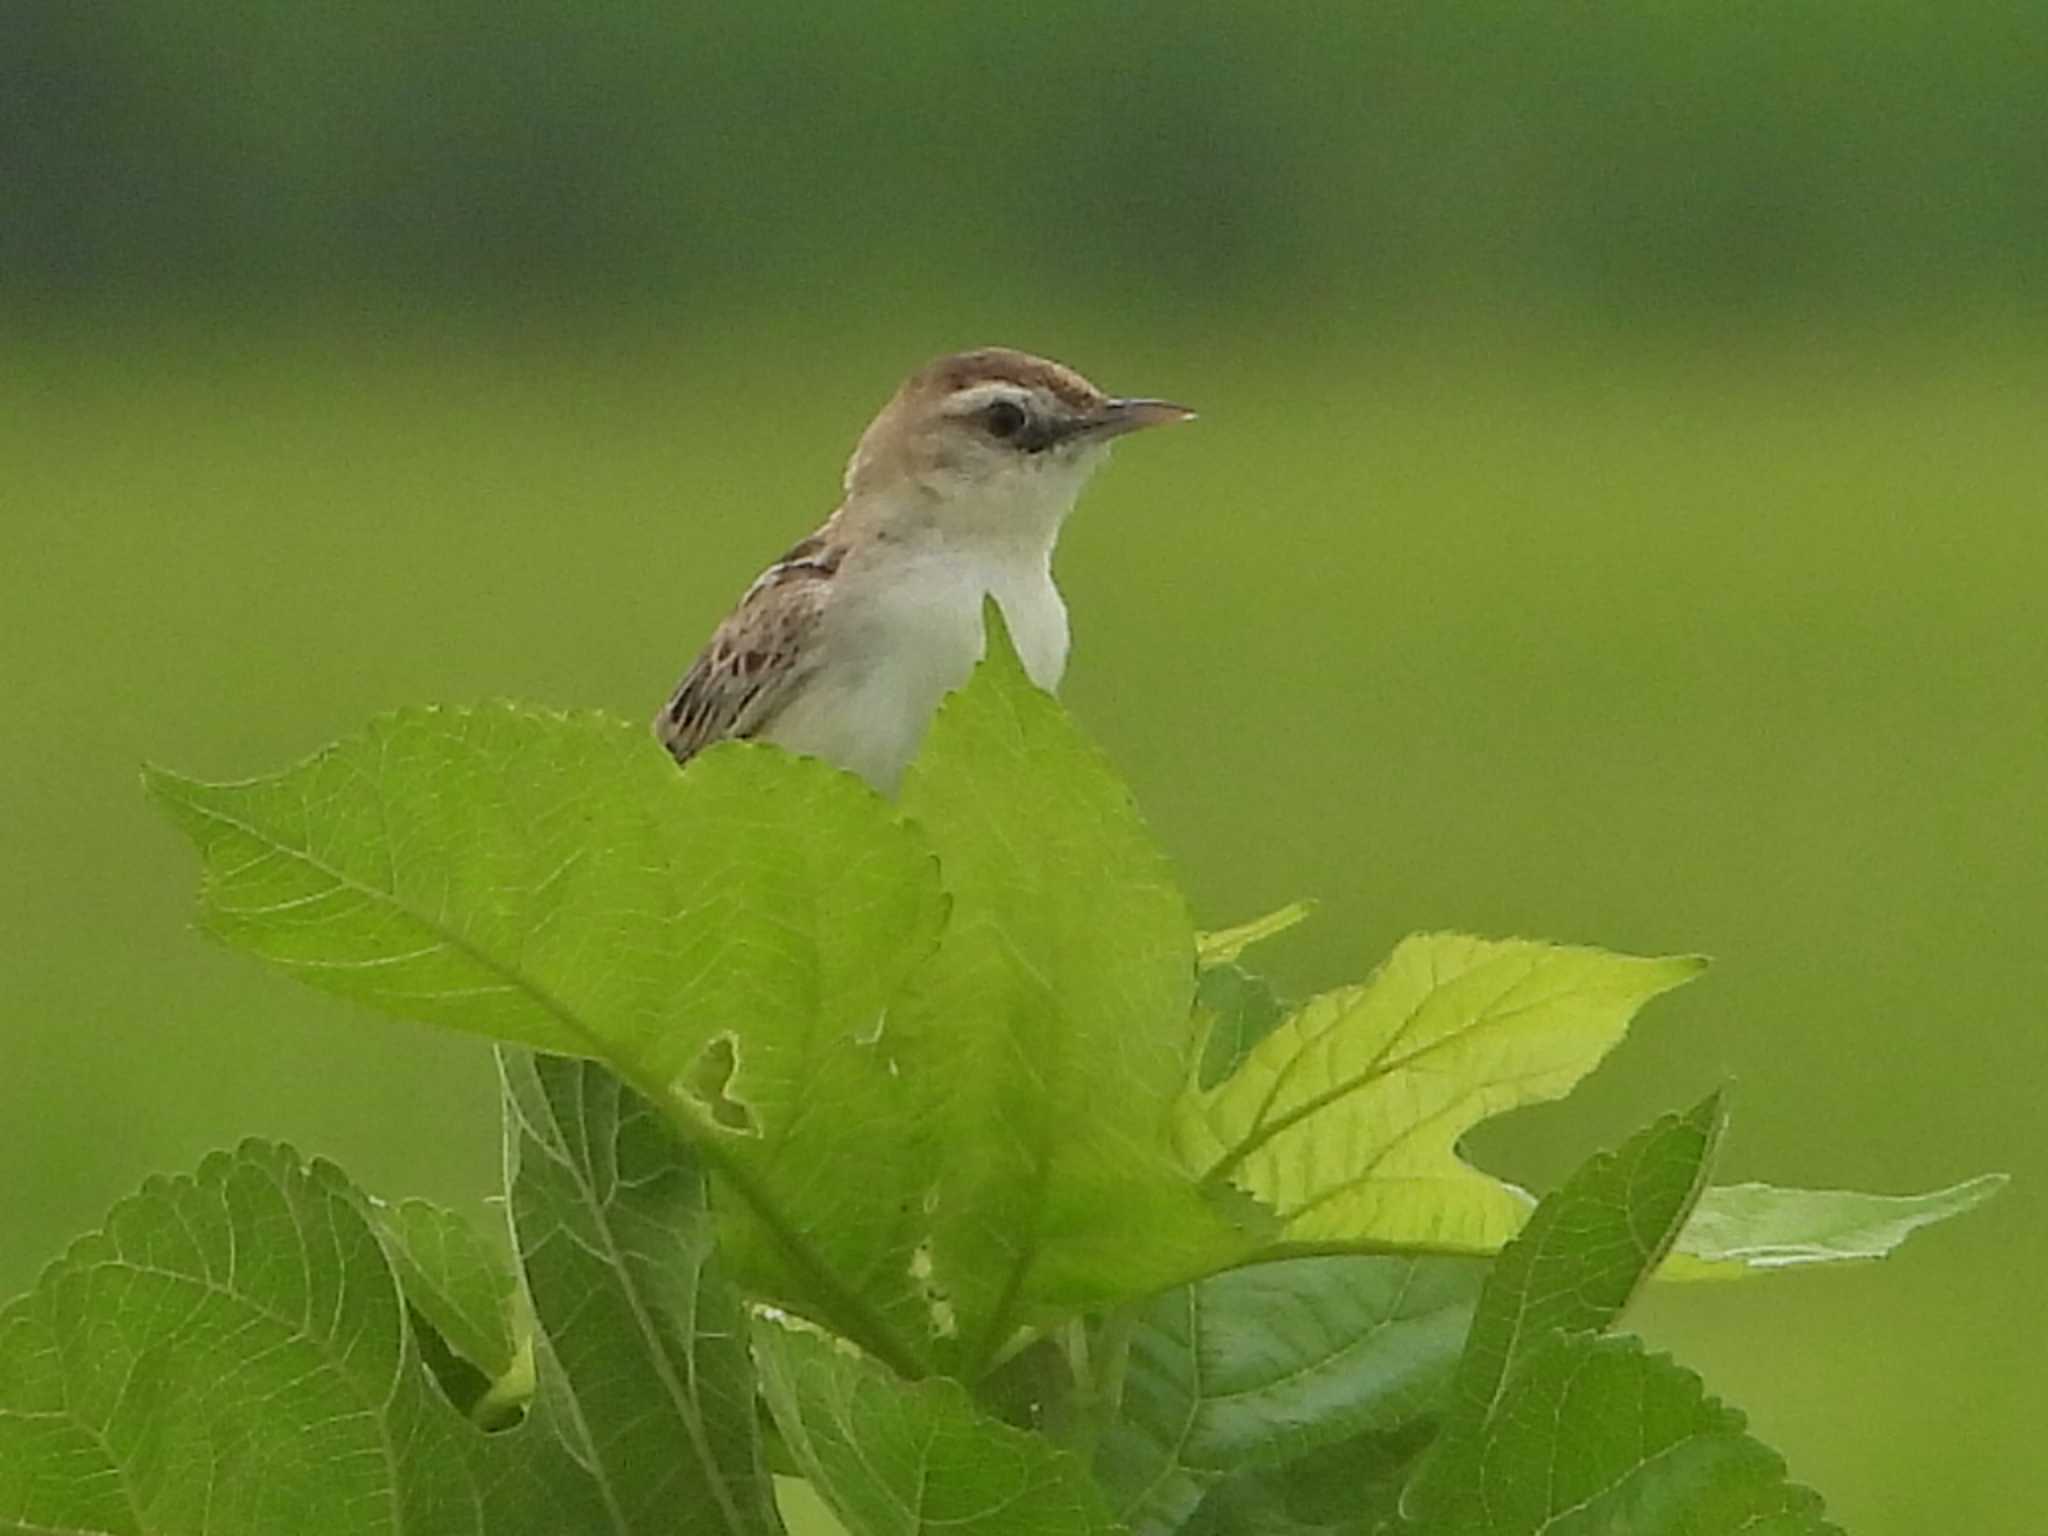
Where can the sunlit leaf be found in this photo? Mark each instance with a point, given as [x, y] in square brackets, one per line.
[727, 938]
[1049, 1036]
[1345, 1119]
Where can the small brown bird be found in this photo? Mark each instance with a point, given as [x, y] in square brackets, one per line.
[843, 648]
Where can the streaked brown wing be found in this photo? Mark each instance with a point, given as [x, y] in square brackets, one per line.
[758, 660]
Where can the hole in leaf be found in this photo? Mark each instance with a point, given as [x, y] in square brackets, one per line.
[707, 1080]
[945, 1321]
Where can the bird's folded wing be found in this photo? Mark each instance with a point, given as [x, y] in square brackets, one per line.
[758, 660]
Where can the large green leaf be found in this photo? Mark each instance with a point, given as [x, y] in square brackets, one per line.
[643, 1341]
[231, 1354]
[1265, 1363]
[895, 1458]
[1346, 1118]
[1049, 1036]
[727, 937]
[754, 945]
[553, 881]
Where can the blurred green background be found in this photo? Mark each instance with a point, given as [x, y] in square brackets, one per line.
[1616, 516]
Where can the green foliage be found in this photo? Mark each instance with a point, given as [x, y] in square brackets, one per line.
[1266, 1364]
[641, 1338]
[936, 1130]
[897, 1459]
[1551, 1427]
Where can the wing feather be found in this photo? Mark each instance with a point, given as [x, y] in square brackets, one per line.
[759, 660]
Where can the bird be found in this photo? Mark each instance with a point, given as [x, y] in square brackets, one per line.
[956, 492]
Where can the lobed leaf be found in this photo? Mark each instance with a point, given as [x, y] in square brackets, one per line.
[1345, 1118]
[896, 1458]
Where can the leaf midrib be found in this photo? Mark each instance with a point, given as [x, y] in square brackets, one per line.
[544, 999]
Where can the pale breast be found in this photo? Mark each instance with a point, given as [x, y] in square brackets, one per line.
[899, 641]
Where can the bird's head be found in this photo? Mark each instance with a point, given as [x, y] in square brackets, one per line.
[994, 436]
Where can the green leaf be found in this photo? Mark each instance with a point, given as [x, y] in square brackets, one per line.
[894, 1458]
[1591, 1436]
[1050, 1035]
[1586, 1251]
[1738, 1229]
[1350, 1488]
[231, 1355]
[1262, 1364]
[1234, 1011]
[727, 937]
[642, 1339]
[1227, 944]
[1345, 1119]
[1554, 1429]
[455, 1279]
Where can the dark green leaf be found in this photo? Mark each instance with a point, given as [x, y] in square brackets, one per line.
[643, 1347]
[1587, 1250]
[1261, 1364]
[1590, 1435]
[897, 1458]
[1234, 1010]
[456, 1280]
[1554, 1429]
[1351, 1488]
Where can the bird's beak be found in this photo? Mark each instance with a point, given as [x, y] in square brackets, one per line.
[1116, 417]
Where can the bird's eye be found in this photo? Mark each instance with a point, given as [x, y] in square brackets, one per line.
[1005, 418]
